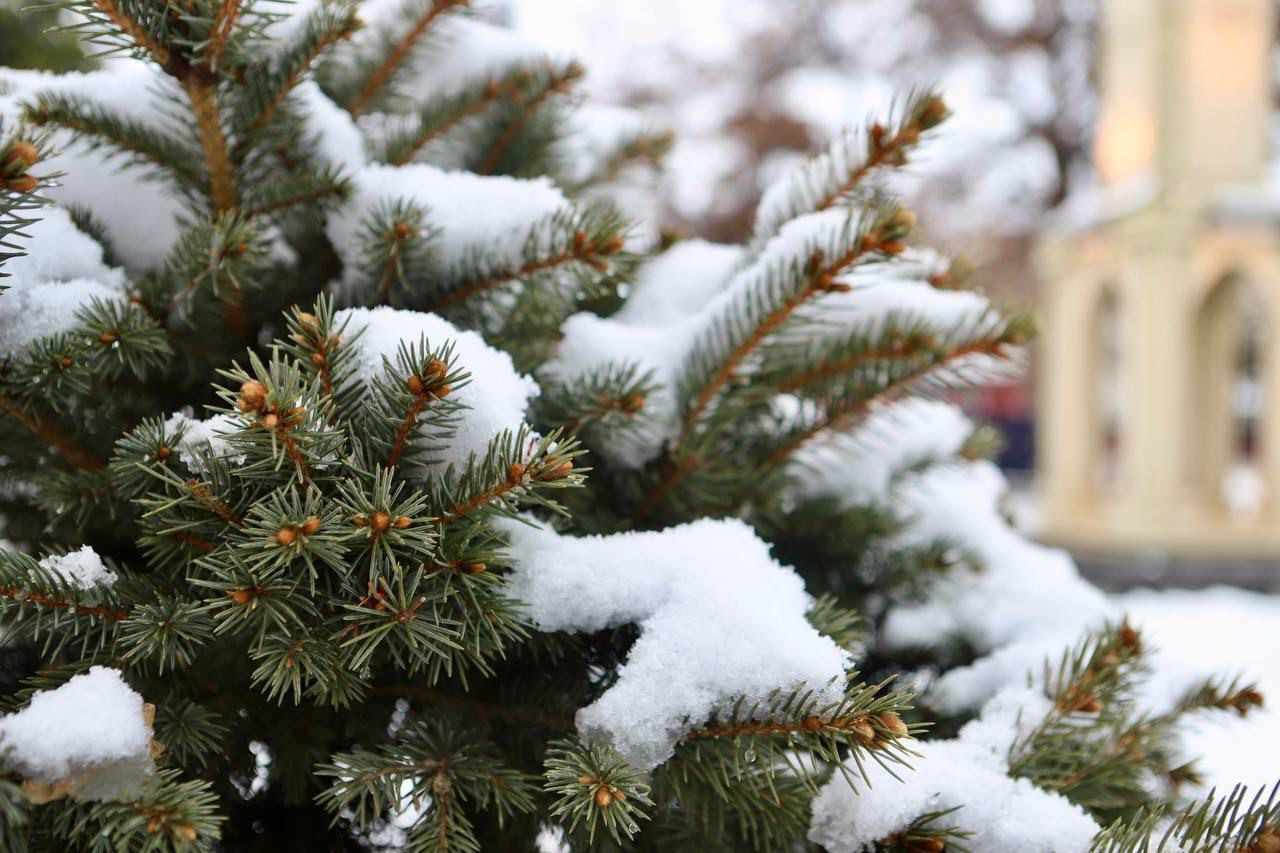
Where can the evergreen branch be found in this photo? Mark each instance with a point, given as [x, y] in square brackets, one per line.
[879, 239]
[596, 785]
[1216, 824]
[141, 37]
[88, 121]
[165, 815]
[841, 413]
[557, 82]
[831, 177]
[399, 53]
[434, 120]
[590, 249]
[325, 27]
[55, 437]
[201, 90]
[299, 189]
[220, 33]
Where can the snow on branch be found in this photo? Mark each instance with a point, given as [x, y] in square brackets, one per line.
[494, 399]
[89, 738]
[719, 620]
[967, 778]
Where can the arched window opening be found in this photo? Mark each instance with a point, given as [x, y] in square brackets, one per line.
[1107, 351]
[1230, 399]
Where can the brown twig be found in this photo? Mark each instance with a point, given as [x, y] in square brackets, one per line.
[54, 603]
[555, 83]
[491, 94]
[840, 414]
[62, 443]
[220, 32]
[399, 53]
[581, 252]
[201, 89]
[135, 31]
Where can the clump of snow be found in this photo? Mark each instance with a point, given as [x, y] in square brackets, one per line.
[91, 734]
[494, 400]
[338, 141]
[56, 250]
[968, 773]
[62, 270]
[492, 217]
[1024, 602]
[142, 216]
[34, 311]
[466, 50]
[84, 568]
[860, 467]
[201, 438]
[596, 132]
[719, 618]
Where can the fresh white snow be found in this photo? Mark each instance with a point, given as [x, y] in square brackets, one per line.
[495, 398]
[719, 618]
[90, 733]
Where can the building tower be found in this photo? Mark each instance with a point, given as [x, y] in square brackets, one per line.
[1159, 409]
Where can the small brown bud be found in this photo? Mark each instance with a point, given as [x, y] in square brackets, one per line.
[579, 242]
[926, 845]
[436, 369]
[632, 403]
[877, 136]
[559, 472]
[402, 522]
[65, 362]
[271, 421]
[862, 730]
[870, 243]
[603, 797]
[23, 155]
[811, 724]
[163, 453]
[475, 568]
[612, 246]
[515, 473]
[1267, 842]
[381, 521]
[903, 220]
[253, 393]
[893, 724]
[1087, 704]
[933, 112]
[441, 391]
[360, 521]
[108, 337]
[1129, 636]
[307, 320]
[584, 779]
[311, 525]
[404, 230]
[416, 385]
[318, 359]
[185, 831]
[286, 536]
[22, 184]
[893, 247]
[240, 596]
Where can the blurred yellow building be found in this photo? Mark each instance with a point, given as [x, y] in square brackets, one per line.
[1159, 383]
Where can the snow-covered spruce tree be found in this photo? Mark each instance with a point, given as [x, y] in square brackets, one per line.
[370, 482]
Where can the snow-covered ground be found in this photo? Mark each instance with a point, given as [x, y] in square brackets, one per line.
[1204, 630]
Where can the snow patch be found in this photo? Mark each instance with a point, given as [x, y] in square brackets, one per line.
[719, 618]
